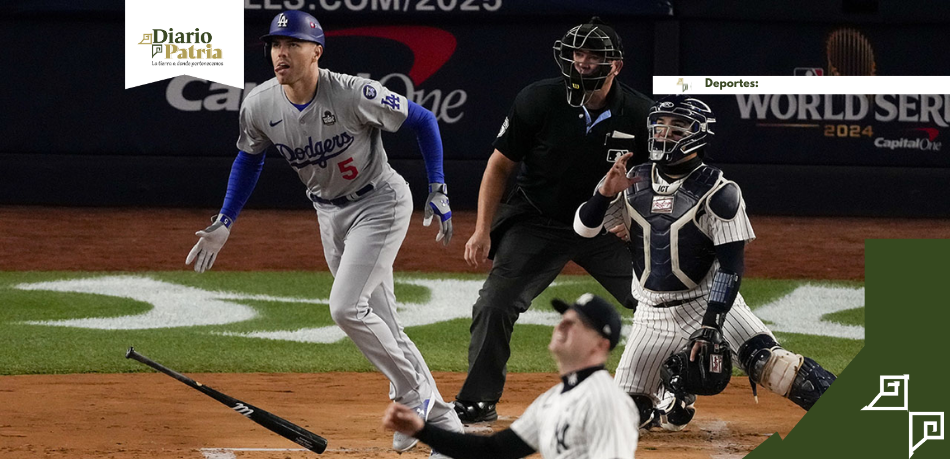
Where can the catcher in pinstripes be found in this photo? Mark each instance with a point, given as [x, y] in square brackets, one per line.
[688, 229]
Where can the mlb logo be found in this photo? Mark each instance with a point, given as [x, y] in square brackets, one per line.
[715, 363]
[662, 205]
[614, 154]
[809, 71]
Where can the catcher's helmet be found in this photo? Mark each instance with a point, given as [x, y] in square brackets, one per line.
[709, 374]
[698, 119]
[597, 38]
[294, 24]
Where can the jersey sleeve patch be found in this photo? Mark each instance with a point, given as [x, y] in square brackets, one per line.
[369, 92]
[379, 107]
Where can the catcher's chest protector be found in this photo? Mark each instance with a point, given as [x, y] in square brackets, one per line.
[670, 253]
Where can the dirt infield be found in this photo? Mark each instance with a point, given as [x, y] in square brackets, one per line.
[152, 416]
[42, 238]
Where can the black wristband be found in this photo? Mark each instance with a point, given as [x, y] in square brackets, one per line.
[714, 317]
[592, 212]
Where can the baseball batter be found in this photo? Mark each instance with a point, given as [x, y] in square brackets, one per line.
[328, 127]
[586, 416]
[688, 229]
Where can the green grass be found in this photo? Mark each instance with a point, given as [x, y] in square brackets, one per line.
[832, 353]
[848, 317]
[45, 349]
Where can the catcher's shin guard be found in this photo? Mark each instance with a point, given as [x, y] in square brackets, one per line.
[796, 377]
[812, 381]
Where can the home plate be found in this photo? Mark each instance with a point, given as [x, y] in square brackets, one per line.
[228, 453]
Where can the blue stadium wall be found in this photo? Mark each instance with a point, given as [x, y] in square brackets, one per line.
[71, 135]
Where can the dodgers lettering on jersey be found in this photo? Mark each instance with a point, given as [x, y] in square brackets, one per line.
[594, 420]
[335, 143]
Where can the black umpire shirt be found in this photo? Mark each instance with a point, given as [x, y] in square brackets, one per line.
[564, 152]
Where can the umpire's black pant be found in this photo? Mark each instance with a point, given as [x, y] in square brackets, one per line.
[530, 255]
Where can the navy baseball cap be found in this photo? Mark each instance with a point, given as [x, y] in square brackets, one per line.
[596, 313]
[295, 24]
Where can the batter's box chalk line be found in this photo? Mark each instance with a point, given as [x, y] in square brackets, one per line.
[229, 453]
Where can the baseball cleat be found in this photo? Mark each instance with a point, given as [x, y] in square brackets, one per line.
[678, 414]
[472, 412]
[403, 442]
[651, 423]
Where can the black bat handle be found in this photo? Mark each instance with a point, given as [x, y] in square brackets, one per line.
[131, 354]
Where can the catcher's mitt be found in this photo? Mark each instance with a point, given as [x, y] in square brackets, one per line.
[708, 374]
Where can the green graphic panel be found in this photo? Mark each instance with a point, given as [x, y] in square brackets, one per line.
[907, 319]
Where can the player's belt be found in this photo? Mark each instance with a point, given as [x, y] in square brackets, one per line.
[343, 200]
[670, 304]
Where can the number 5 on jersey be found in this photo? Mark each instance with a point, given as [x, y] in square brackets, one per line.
[348, 170]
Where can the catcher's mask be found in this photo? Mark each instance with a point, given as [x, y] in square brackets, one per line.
[596, 38]
[709, 374]
[293, 24]
[670, 142]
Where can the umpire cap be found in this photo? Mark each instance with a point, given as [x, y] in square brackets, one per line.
[596, 313]
[295, 24]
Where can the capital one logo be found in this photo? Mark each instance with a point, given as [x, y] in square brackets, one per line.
[896, 388]
[431, 49]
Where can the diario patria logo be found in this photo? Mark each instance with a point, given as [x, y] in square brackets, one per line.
[682, 84]
[172, 38]
[182, 48]
[894, 395]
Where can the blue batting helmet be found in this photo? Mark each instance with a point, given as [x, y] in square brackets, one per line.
[295, 24]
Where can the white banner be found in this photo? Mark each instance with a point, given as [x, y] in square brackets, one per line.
[203, 39]
[801, 84]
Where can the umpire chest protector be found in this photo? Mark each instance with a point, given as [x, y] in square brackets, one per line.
[670, 251]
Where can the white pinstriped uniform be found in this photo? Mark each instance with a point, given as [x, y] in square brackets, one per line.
[593, 420]
[660, 331]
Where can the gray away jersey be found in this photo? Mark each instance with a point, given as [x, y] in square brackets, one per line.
[594, 420]
[334, 144]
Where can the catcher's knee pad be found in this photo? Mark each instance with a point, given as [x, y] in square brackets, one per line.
[645, 408]
[790, 375]
[675, 417]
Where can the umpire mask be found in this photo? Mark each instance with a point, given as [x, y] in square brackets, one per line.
[595, 38]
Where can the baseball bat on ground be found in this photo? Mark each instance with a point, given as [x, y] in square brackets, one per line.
[274, 423]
